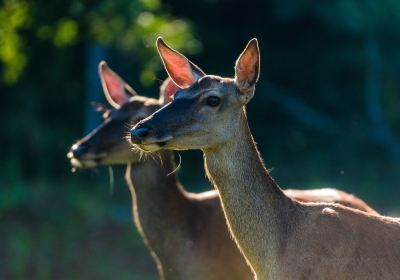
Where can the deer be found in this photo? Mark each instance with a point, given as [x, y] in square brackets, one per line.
[185, 233]
[105, 145]
[281, 238]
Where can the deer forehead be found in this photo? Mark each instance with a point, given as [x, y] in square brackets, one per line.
[214, 81]
[206, 84]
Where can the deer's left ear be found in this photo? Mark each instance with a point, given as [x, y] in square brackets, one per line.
[115, 89]
[167, 91]
[247, 69]
[181, 70]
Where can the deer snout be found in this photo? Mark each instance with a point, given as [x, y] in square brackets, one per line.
[139, 133]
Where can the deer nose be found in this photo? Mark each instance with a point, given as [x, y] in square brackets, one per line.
[79, 150]
[139, 133]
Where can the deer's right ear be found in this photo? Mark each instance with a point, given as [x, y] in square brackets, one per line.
[115, 89]
[167, 91]
[247, 69]
[182, 71]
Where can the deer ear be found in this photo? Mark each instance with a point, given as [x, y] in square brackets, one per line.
[247, 68]
[182, 71]
[115, 89]
[167, 91]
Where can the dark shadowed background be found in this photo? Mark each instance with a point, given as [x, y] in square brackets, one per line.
[326, 112]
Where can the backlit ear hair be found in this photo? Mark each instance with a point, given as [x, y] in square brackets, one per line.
[181, 70]
[247, 68]
[115, 89]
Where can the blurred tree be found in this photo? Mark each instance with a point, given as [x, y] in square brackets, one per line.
[124, 25]
[43, 49]
[13, 17]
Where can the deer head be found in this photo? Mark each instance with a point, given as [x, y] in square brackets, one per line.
[107, 143]
[206, 111]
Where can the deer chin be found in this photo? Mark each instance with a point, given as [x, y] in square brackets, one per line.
[154, 145]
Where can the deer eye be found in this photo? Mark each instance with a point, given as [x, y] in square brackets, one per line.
[213, 101]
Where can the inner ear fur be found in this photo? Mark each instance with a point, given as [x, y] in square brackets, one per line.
[181, 70]
[116, 90]
[247, 67]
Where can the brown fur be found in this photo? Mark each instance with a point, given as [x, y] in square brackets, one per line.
[330, 195]
[186, 233]
[281, 238]
[329, 241]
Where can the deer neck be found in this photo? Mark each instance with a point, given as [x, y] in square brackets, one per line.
[158, 203]
[253, 203]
